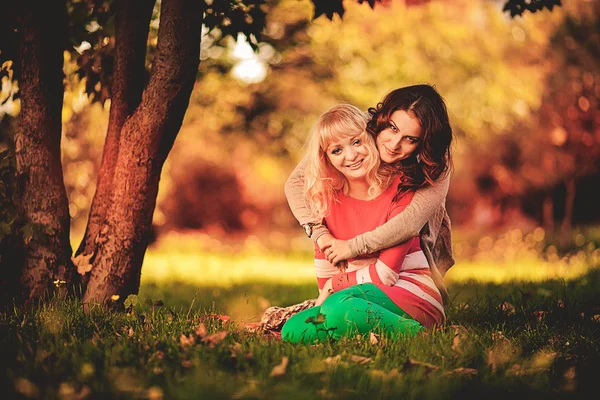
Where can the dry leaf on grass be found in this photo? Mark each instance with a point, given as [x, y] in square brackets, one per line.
[201, 330]
[82, 262]
[186, 341]
[333, 360]
[373, 338]
[410, 363]
[461, 371]
[252, 327]
[360, 359]
[281, 368]
[508, 308]
[539, 315]
[460, 338]
[214, 339]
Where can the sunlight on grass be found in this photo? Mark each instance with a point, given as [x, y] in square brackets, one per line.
[198, 259]
[533, 270]
[209, 269]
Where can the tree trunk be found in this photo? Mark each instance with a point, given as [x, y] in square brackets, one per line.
[566, 226]
[42, 199]
[146, 139]
[132, 20]
[548, 213]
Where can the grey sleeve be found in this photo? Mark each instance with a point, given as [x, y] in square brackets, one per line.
[405, 225]
[294, 192]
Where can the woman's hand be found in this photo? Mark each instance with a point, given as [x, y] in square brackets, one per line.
[324, 242]
[325, 292]
[338, 251]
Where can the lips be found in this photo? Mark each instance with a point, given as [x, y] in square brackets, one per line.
[356, 165]
[391, 153]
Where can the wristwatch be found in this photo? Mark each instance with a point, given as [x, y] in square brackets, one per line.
[308, 228]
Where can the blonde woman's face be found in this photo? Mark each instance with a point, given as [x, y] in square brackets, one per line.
[400, 139]
[348, 155]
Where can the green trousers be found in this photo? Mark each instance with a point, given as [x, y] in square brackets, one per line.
[358, 309]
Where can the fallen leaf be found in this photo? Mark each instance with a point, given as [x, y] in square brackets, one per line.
[459, 341]
[410, 363]
[360, 359]
[201, 331]
[130, 332]
[252, 327]
[82, 262]
[508, 308]
[596, 318]
[281, 368]
[215, 338]
[186, 363]
[333, 360]
[461, 371]
[373, 338]
[540, 315]
[186, 341]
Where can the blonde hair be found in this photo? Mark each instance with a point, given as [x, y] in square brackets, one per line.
[322, 180]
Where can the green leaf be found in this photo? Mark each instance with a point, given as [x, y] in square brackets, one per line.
[131, 301]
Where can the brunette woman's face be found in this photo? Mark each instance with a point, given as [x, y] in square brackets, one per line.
[400, 139]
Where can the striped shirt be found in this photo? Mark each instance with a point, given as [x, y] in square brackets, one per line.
[401, 271]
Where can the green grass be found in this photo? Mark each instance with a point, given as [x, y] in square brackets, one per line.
[548, 347]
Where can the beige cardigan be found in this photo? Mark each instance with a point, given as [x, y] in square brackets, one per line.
[425, 215]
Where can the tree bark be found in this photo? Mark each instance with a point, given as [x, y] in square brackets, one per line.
[41, 194]
[566, 226]
[548, 213]
[132, 20]
[146, 139]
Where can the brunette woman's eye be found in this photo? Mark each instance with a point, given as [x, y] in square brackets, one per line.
[393, 128]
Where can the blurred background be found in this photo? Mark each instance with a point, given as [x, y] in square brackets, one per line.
[523, 99]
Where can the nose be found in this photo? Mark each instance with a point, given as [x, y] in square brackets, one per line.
[395, 143]
[351, 153]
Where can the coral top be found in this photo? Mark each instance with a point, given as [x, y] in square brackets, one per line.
[401, 271]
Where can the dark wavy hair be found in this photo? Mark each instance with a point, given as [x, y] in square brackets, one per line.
[433, 156]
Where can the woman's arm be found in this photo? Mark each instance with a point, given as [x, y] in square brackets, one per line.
[387, 267]
[294, 192]
[403, 226]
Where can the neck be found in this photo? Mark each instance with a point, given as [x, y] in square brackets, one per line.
[358, 189]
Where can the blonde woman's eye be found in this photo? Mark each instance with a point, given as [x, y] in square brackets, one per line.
[336, 151]
[356, 142]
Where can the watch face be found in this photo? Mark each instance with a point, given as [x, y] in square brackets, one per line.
[308, 230]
